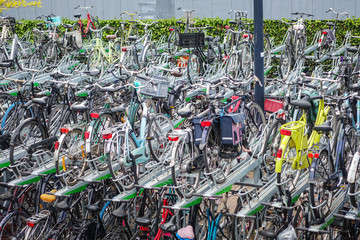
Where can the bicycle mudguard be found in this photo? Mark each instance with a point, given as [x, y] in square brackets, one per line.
[203, 138]
[353, 168]
[141, 159]
[279, 160]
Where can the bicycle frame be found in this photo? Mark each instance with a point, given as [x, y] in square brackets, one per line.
[293, 134]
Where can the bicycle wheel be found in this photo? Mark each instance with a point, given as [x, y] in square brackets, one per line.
[214, 164]
[287, 179]
[70, 157]
[116, 52]
[267, 52]
[25, 135]
[185, 159]
[149, 54]
[6, 100]
[96, 61]
[159, 129]
[194, 67]
[12, 224]
[285, 62]
[242, 228]
[247, 60]
[173, 41]
[320, 193]
[120, 148]
[255, 122]
[232, 67]
[39, 231]
[104, 122]
[300, 47]
[51, 53]
[270, 146]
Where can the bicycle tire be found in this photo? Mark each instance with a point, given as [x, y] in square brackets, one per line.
[5, 231]
[78, 135]
[154, 128]
[247, 60]
[16, 140]
[267, 52]
[182, 153]
[173, 41]
[96, 61]
[149, 54]
[194, 68]
[232, 67]
[317, 193]
[237, 229]
[285, 64]
[126, 170]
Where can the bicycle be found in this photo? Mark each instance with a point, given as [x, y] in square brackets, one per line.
[91, 22]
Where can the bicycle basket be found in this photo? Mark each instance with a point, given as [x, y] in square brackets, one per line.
[55, 20]
[76, 39]
[158, 88]
[191, 40]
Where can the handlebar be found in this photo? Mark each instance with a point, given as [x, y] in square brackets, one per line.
[302, 14]
[101, 29]
[337, 13]
[184, 10]
[130, 14]
[132, 73]
[78, 6]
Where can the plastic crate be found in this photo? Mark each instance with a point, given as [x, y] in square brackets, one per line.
[191, 40]
[158, 88]
[272, 105]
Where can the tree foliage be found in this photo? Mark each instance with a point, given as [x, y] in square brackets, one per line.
[7, 4]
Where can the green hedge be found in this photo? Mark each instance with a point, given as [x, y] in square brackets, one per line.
[272, 27]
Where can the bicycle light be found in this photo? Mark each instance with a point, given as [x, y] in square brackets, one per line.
[94, 115]
[279, 153]
[310, 155]
[87, 135]
[171, 29]
[64, 130]
[206, 123]
[56, 146]
[316, 155]
[227, 27]
[107, 136]
[124, 49]
[30, 224]
[285, 132]
[324, 32]
[173, 138]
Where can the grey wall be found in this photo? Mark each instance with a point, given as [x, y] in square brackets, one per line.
[108, 9]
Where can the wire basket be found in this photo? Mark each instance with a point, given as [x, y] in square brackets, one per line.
[191, 40]
[157, 88]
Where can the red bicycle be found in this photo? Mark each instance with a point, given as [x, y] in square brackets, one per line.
[91, 22]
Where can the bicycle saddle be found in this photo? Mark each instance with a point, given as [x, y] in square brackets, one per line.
[186, 232]
[179, 22]
[302, 103]
[132, 38]
[110, 36]
[268, 233]
[143, 221]
[6, 195]
[233, 22]
[40, 101]
[110, 88]
[325, 127]
[80, 107]
[352, 49]
[77, 15]
[209, 38]
[120, 212]
[169, 226]
[330, 24]
[117, 109]
[185, 111]
[63, 205]
[124, 23]
[40, 24]
[67, 25]
[93, 207]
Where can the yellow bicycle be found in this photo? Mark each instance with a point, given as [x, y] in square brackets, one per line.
[101, 56]
[294, 153]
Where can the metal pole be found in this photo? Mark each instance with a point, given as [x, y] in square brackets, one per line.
[259, 45]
